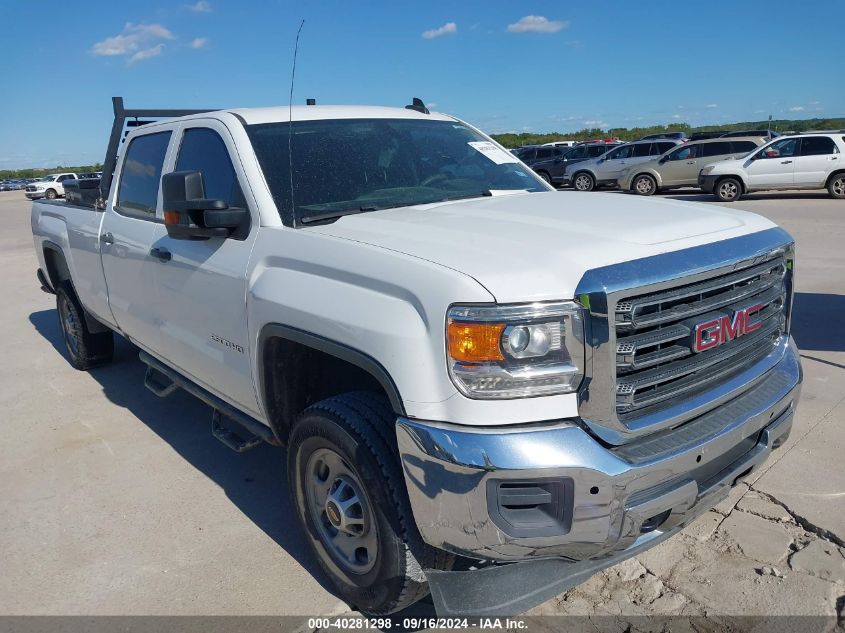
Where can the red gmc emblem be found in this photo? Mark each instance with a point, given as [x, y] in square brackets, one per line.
[710, 334]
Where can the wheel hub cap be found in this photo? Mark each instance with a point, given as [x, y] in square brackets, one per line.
[341, 512]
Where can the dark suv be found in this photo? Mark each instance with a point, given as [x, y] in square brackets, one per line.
[551, 168]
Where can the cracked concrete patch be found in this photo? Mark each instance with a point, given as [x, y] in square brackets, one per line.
[754, 503]
[725, 506]
[820, 558]
[756, 537]
[703, 527]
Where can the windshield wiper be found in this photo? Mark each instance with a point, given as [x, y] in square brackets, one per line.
[334, 215]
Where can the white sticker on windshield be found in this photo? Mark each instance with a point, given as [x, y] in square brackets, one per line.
[496, 154]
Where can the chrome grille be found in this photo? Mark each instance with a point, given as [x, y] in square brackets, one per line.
[655, 361]
[31, 188]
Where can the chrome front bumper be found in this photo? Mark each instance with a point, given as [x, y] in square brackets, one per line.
[617, 499]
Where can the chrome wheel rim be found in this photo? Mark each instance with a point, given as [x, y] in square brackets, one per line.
[839, 186]
[728, 190]
[71, 328]
[582, 183]
[341, 512]
[643, 185]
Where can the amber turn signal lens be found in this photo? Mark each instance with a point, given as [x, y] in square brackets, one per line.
[475, 342]
[171, 217]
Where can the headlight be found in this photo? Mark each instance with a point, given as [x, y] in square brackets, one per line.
[39, 187]
[516, 351]
[707, 170]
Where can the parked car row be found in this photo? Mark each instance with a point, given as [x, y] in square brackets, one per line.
[728, 165]
[52, 186]
[14, 185]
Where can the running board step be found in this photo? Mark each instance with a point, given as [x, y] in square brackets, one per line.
[230, 438]
[159, 383]
[163, 381]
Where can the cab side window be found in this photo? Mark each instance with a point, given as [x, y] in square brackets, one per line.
[780, 149]
[742, 147]
[818, 146]
[204, 151]
[717, 148]
[137, 194]
[644, 149]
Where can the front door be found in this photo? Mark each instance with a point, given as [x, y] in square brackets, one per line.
[614, 163]
[773, 167]
[126, 234]
[817, 158]
[681, 167]
[202, 284]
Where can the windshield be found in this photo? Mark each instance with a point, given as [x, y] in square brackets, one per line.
[359, 165]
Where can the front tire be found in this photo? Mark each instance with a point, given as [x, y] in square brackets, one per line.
[84, 349]
[644, 185]
[51, 194]
[836, 186]
[728, 190]
[348, 489]
[584, 181]
[545, 176]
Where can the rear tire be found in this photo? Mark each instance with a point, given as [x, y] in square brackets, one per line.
[644, 185]
[584, 181]
[51, 194]
[836, 186]
[728, 190]
[342, 449]
[84, 349]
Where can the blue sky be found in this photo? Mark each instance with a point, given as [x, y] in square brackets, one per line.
[533, 65]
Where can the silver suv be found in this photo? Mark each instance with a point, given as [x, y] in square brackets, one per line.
[606, 169]
[680, 166]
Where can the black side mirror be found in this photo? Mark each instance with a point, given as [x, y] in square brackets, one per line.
[663, 160]
[189, 215]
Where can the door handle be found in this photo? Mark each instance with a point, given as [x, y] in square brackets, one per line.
[690, 162]
[785, 162]
[161, 253]
[107, 238]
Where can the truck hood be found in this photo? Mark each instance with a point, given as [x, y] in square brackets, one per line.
[537, 246]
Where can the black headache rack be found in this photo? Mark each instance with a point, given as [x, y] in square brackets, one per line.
[130, 118]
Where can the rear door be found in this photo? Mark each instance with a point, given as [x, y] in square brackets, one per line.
[131, 218]
[773, 167]
[201, 284]
[817, 158]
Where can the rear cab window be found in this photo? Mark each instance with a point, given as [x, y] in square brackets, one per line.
[140, 175]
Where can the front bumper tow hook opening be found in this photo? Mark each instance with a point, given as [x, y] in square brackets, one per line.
[652, 523]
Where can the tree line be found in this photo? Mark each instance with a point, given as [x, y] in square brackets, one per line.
[18, 174]
[632, 134]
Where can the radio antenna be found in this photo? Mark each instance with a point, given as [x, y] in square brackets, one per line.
[290, 119]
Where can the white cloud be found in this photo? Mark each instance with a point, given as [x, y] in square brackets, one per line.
[537, 24]
[201, 6]
[450, 28]
[141, 41]
[712, 105]
[199, 42]
[146, 53]
[594, 123]
[796, 109]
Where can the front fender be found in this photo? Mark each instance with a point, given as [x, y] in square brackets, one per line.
[387, 306]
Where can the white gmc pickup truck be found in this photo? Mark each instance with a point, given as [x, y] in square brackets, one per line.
[487, 389]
